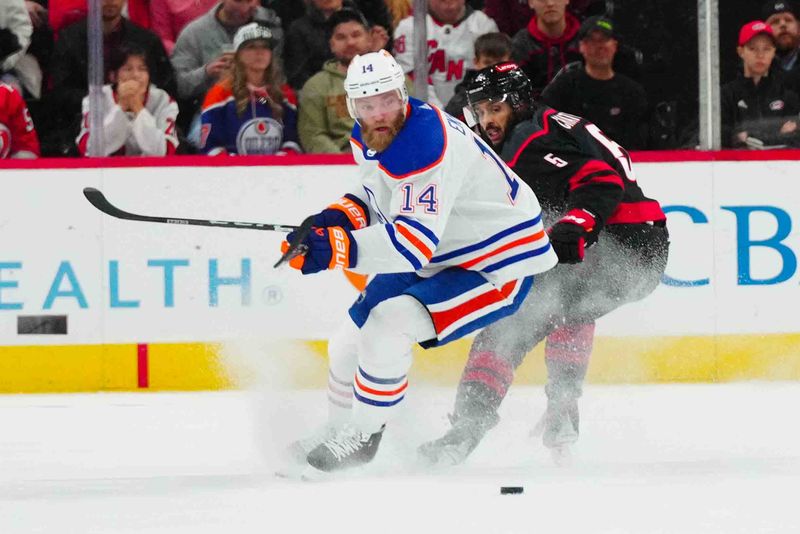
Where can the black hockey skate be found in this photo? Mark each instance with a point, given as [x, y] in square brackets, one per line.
[348, 448]
[458, 443]
[297, 452]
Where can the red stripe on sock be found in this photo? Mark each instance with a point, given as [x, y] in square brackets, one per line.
[364, 388]
[487, 379]
[571, 343]
[490, 360]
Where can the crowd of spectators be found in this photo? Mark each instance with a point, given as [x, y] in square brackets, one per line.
[266, 76]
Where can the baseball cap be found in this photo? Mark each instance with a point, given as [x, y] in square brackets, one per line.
[773, 7]
[597, 23]
[751, 29]
[252, 32]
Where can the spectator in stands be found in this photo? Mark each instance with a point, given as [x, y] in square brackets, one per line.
[17, 135]
[549, 42]
[758, 110]
[307, 45]
[204, 51]
[324, 122]
[593, 90]
[252, 111]
[70, 69]
[62, 13]
[15, 37]
[29, 67]
[511, 16]
[138, 117]
[169, 17]
[490, 49]
[287, 10]
[781, 15]
[398, 10]
[452, 29]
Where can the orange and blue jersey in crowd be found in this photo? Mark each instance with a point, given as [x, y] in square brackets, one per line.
[255, 131]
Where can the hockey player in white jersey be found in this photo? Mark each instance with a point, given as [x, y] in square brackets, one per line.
[451, 234]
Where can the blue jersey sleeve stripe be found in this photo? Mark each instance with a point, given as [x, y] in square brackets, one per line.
[376, 380]
[401, 249]
[424, 230]
[487, 241]
[514, 259]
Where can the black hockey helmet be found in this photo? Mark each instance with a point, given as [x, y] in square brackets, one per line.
[503, 82]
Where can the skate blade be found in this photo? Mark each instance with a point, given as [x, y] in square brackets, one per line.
[309, 473]
[561, 455]
[291, 471]
[538, 429]
[446, 458]
[302, 473]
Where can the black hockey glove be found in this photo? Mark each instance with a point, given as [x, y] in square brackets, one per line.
[572, 234]
[9, 43]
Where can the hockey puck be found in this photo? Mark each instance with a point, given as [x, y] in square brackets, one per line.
[510, 490]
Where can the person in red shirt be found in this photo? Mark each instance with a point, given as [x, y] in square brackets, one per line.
[18, 137]
[549, 42]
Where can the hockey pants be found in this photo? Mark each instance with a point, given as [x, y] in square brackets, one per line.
[624, 266]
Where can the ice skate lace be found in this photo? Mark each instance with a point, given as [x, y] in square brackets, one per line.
[345, 443]
[317, 439]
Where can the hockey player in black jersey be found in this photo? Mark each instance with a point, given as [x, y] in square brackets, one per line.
[611, 241]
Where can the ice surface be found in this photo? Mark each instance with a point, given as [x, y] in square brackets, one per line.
[666, 459]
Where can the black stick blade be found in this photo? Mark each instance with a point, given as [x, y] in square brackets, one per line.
[297, 247]
[99, 201]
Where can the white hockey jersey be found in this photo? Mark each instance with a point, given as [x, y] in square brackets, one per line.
[450, 51]
[150, 133]
[439, 197]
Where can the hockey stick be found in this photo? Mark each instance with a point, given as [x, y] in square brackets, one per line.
[99, 201]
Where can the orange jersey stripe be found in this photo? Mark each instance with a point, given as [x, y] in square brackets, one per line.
[415, 241]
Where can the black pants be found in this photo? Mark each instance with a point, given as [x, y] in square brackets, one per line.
[624, 266]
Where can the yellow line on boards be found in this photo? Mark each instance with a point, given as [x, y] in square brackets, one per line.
[294, 363]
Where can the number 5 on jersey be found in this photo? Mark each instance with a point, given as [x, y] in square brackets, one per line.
[428, 199]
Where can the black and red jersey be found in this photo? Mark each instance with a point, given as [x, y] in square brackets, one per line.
[570, 164]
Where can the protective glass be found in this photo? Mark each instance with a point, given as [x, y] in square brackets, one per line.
[475, 111]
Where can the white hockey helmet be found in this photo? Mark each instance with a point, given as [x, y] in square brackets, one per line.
[373, 74]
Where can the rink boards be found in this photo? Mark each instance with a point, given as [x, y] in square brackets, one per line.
[91, 303]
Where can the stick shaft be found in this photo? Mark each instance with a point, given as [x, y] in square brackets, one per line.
[99, 201]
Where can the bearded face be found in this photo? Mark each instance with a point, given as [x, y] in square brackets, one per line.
[786, 31]
[379, 134]
[381, 118]
[494, 118]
